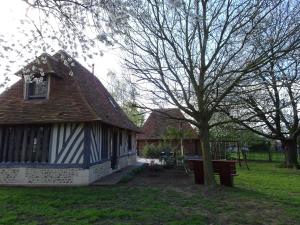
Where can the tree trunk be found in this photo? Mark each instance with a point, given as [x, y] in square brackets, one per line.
[181, 146]
[290, 146]
[209, 179]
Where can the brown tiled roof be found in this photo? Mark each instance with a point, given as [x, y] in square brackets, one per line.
[160, 120]
[80, 97]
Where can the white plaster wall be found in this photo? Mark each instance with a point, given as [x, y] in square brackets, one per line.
[66, 143]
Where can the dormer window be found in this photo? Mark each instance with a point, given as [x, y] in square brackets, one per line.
[37, 87]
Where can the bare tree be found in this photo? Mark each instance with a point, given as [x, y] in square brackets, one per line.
[269, 104]
[192, 54]
[126, 94]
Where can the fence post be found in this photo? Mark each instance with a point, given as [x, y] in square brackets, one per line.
[239, 154]
[270, 156]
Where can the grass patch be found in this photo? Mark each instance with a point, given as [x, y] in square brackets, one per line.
[264, 195]
[262, 156]
[132, 174]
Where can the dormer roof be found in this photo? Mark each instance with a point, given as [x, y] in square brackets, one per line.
[45, 63]
[76, 95]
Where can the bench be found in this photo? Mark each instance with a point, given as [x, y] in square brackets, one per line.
[224, 168]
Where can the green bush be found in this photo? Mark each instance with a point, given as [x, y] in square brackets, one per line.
[260, 146]
[153, 151]
[164, 147]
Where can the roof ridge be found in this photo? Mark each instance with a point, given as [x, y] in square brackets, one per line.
[111, 112]
[85, 100]
[77, 82]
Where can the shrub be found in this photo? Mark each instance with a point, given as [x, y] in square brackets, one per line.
[153, 151]
[164, 147]
[260, 146]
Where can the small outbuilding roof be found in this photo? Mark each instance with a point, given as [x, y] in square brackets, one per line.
[160, 120]
[76, 95]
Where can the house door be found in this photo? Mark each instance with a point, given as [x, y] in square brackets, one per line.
[114, 157]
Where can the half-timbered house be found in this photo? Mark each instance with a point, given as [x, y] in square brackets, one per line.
[60, 126]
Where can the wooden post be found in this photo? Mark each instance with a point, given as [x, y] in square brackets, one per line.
[11, 144]
[5, 146]
[45, 145]
[270, 156]
[24, 145]
[101, 139]
[30, 147]
[225, 176]
[246, 160]
[239, 154]
[87, 147]
[17, 155]
[198, 171]
[181, 146]
[1, 143]
[38, 144]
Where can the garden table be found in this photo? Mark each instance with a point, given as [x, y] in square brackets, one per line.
[225, 168]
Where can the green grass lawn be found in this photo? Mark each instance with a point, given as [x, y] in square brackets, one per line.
[262, 156]
[264, 195]
[275, 156]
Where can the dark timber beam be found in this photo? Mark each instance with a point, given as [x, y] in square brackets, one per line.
[19, 136]
[5, 146]
[87, 145]
[31, 144]
[1, 143]
[39, 137]
[24, 145]
[45, 147]
[11, 144]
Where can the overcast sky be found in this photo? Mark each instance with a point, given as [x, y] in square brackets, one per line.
[11, 13]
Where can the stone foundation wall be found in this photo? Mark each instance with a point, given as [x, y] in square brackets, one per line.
[103, 169]
[127, 160]
[99, 170]
[60, 176]
[43, 176]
